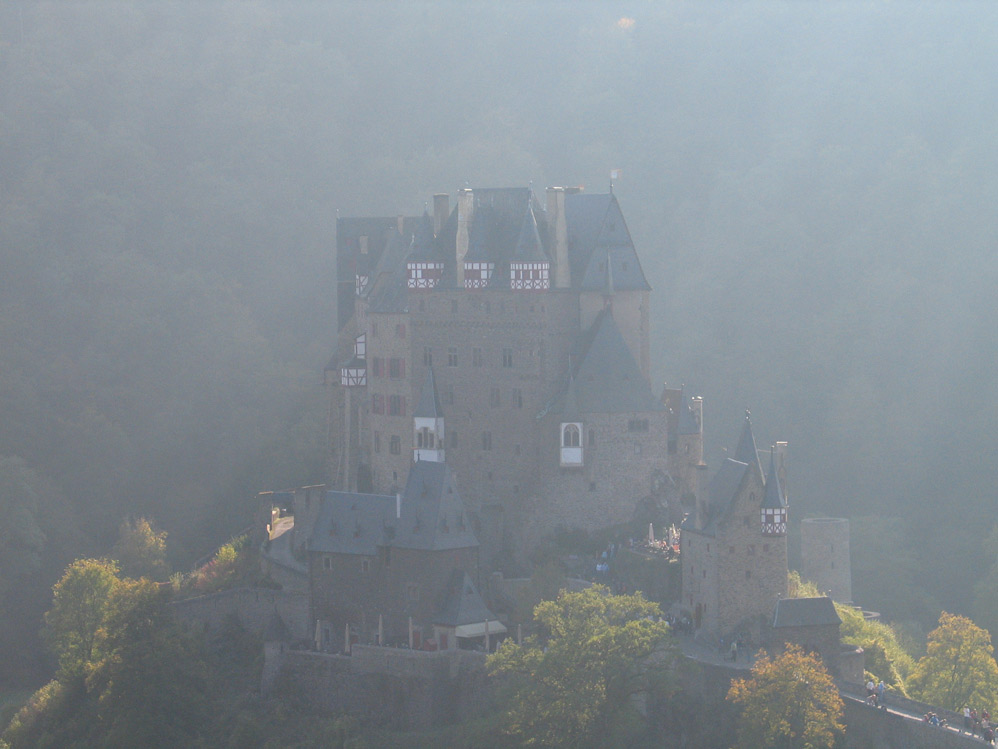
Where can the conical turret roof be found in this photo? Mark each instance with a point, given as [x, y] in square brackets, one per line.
[775, 498]
[746, 452]
[424, 248]
[528, 247]
[429, 403]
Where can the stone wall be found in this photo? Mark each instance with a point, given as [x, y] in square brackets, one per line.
[254, 608]
[389, 687]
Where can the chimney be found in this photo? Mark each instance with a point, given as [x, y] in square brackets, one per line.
[559, 229]
[441, 207]
[465, 211]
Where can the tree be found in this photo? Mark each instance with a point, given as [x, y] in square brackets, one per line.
[572, 682]
[151, 679]
[790, 701]
[141, 551]
[958, 667]
[79, 604]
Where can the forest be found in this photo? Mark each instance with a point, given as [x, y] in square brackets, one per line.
[811, 188]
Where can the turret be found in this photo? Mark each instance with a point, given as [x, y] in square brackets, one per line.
[423, 267]
[354, 372]
[530, 269]
[428, 424]
[774, 502]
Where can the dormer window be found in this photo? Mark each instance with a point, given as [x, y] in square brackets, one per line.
[534, 276]
[478, 275]
[423, 275]
[774, 521]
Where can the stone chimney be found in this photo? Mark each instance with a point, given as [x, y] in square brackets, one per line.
[559, 236]
[465, 211]
[441, 207]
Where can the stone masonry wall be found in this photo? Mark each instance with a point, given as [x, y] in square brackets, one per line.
[252, 607]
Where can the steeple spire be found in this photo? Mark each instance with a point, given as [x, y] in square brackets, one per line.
[746, 452]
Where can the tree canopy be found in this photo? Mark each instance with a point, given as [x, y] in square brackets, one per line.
[571, 683]
[789, 701]
[958, 668]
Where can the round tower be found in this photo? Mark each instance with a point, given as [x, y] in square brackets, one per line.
[824, 548]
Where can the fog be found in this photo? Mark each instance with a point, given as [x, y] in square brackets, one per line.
[811, 189]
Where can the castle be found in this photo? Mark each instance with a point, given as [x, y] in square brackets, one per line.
[491, 386]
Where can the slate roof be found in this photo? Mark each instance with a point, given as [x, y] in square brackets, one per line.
[606, 377]
[424, 244]
[429, 403]
[598, 239]
[529, 248]
[463, 604]
[746, 451]
[805, 612]
[687, 421]
[774, 498]
[388, 291]
[432, 517]
[721, 491]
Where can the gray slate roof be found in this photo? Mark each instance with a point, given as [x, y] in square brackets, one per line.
[774, 498]
[606, 377]
[805, 612]
[463, 604]
[529, 248]
[598, 239]
[746, 451]
[429, 402]
[432, 517]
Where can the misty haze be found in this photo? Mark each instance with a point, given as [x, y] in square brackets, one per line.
[337, 338]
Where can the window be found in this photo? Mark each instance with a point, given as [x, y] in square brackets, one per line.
[374, 330]
[592, 486]
[363, 245]
[396, 368]
[449, 394]
[396, 405]
[395, 446]
[427, 356]
[452, 356]
[476, 357]
[507, 358]
[517, 398]
[570, 436]
[751, 549]
[637, 425]
[377, 367]
[365, 565]
[592, 438]
[453, 306]
[412, 592]
[748, 574]
[400, 330]
[453, 438]
[495, 398]
[486, 440]
[327, 563]
[377, 442]
[377, 403]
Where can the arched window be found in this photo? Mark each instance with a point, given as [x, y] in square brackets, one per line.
[570, 436]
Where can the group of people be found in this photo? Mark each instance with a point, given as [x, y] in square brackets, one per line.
[976, 723]
[875, 694]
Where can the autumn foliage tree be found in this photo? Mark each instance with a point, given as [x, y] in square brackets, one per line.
[572, 683]
[958, 668]
[790, 701]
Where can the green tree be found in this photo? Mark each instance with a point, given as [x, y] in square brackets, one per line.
[79, 604]
[790, 701]
[141, 551]
[151, 679]
[958, 667]
[572, 682]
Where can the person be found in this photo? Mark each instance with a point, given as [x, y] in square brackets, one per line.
[871, 695]
[967, 724]
[881, 688]
[734, 651]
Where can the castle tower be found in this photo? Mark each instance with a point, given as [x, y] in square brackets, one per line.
[530, 269]
[424, 266]
[428, 424]
[824, 546]
[774, 503]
